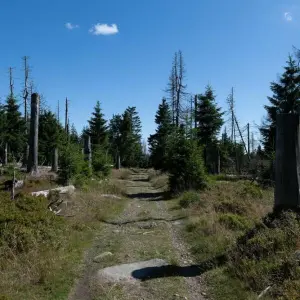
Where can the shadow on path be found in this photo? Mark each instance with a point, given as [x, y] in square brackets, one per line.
[142, 220]
[146, 195]
[177, 271]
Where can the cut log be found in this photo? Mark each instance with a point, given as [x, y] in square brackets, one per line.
[62, 190]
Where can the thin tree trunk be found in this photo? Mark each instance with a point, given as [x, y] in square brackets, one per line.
[55, 160]
[32, 165]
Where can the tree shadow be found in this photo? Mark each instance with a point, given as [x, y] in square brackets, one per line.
[149, 273]
[146, 195]
[140, 179]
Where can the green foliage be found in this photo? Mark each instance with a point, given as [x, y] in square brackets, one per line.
[74, 137]
[208, 117]
[234, 222]
[27, 222]
[158, 141]
[101, 162]
[51, 135]
[266, 256]
[188, 198]
[184, 163]
[72, 164]
[285, 99]
[251, 191]
[97, 127]
[14, 128]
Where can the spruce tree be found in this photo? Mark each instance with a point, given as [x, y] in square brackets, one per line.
[285, 99]
[158, 141]
[15, 128]
[51, 135]
[209, 122]
[208, 117]
[98, 128]
[115, 136]
[74, 137]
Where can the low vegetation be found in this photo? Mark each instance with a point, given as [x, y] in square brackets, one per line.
[247, 249]
[39, 251]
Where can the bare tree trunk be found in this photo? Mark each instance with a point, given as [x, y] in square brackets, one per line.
[5, 154]
[55, 160]
[13, 186]
[32, 165]
[287, 168]
[88, 150]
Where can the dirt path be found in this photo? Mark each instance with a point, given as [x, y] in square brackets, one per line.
[146, 230]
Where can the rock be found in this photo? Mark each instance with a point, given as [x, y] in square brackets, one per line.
[147, 225]
[130, 272]
[297, 255]
[110, 196]
[101, 256]
[62, 190]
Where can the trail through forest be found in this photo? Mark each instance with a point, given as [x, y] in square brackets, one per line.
[147, 231]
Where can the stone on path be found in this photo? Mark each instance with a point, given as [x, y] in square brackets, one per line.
[102, 256]
[124, 272]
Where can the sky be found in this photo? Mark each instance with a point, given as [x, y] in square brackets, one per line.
[120, 52]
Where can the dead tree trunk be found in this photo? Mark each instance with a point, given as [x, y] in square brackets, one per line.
[88, 150]
[5, 154]
[55, 160]
[287, 162]
[32, 165]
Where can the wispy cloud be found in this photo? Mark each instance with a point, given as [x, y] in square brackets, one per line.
[288, 16]
[104, 29]
[71, 26]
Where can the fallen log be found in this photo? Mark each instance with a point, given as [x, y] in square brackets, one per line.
[62, 190]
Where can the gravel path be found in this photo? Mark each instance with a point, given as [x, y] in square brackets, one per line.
[145, 232]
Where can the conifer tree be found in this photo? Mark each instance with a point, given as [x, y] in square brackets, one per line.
[285, 99]
[98, 128]
[158, 141]
[209, 122]
[74, 137]
[51, 135]
[15, 128]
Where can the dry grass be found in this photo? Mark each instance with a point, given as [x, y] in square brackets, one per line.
[158, 180]
[121, 174]
[219, 217]
[48, 265]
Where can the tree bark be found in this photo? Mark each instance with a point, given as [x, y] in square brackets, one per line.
[32, 165]
[88, 150]
[55, 160]
[287, 162]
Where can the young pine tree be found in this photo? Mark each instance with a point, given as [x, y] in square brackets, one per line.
[14, 129]
[285, 99]
[158, 141]
[98, 128]
[209, 122]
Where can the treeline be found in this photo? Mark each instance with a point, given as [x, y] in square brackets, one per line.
[187, 143]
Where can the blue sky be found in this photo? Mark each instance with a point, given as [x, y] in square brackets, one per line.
[236, 43]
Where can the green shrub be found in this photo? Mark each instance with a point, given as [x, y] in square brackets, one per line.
[184, 164]
[189, 198]
[251, 191]
[72, 164]
[27, 222]
[234, 222]
[101, 162]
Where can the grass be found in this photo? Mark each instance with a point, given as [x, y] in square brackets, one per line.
[40, 252]
[220, 220]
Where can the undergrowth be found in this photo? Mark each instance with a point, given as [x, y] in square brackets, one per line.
[39, 251]
[233, 220]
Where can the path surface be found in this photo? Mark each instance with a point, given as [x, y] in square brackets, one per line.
[147, 230]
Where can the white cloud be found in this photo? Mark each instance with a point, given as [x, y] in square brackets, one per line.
[71, 26]
[288, 16]
[104, 29]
